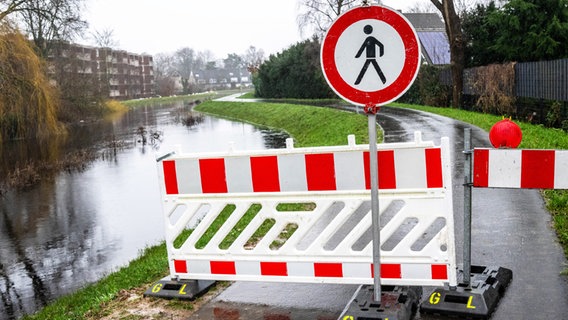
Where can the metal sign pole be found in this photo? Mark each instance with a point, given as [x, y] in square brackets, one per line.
[467, 208]
[374, 165]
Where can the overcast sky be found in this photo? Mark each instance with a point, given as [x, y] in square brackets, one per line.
[221, 26]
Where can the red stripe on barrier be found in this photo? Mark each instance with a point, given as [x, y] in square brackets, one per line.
[434, 177]
[273, 268]
[439, 272]
[213, 179]
[264, 172]
[223, 267]
[180, 266]
[170, 176]
[387, 174]
[391, 271]
[537, 169]
[330, 270]
[320, 172]
[481, 168]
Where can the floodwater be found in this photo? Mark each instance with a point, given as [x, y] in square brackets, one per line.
[74, 227]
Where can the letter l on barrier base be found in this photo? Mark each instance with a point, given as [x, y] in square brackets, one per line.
[488, 285]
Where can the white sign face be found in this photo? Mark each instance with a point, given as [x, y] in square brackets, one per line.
[357, 60]
[370, 55]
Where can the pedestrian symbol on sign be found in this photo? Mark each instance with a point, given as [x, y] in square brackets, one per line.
[369, 46]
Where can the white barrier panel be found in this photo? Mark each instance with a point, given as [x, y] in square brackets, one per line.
[517, 168]
[303, 215]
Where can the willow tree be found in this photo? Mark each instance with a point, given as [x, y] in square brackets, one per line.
[28, 102]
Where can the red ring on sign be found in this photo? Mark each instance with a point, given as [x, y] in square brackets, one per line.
[409, 70]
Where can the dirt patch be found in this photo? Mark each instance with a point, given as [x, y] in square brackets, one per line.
[132, 305]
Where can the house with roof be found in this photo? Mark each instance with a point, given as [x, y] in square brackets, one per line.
[431, 32]
[222, 78]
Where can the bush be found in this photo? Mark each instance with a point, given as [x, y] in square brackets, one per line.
[293, 73]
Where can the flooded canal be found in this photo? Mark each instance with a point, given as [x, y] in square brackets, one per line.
[74, 227]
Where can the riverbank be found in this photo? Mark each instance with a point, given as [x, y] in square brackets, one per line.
[119, 295]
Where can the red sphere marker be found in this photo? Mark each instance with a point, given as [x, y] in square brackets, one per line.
[370, 55]
[505, 134]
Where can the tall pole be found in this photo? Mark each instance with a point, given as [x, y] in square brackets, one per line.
[467, 207]
[374, 176]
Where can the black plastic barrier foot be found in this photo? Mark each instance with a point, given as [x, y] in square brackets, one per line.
[178, 289]
[488, 285]
[397, 303]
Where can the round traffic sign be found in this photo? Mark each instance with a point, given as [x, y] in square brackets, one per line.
[370, 55]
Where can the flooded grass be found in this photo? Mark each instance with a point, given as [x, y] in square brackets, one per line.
[30, 174]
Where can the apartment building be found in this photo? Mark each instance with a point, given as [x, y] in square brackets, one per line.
[117, 74]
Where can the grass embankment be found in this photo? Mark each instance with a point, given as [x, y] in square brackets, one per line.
[534, 137]
[190, 97]
[310, 126]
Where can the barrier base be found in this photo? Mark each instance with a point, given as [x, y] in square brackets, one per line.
[488, 285]
[397, 303]
[178, 289]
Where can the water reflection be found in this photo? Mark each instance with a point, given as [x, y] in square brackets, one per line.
[76, 226]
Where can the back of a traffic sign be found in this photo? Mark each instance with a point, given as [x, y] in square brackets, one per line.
[370, 55]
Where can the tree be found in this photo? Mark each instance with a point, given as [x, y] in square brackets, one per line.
[317, 15]
[105, 38]
[48, 21]
[480, 36]
[457, 46]
[530, 30]
[184, 61]
[233, 61]
[293, 73]
[520, 30]
[28, 102]
[253, 58]
[9, 7]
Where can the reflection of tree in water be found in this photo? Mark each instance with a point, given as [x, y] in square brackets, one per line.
[47, 242]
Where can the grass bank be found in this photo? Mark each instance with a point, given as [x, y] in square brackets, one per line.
[309, 126]
[171, 99]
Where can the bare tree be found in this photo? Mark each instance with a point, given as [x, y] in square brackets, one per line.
[423, 7]
[206, 59]
[48, 21]
[9, 7]
[457, 46]
[317, 15]
[184, 61]
[253, 58]
[105, 38]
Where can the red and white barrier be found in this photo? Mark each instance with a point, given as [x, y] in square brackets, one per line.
[513, 168]
[331, 242]
[310, 169]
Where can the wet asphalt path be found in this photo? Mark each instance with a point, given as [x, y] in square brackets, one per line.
[510, 228]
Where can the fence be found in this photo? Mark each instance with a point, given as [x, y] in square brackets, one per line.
[314, 207]
[545, 80]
